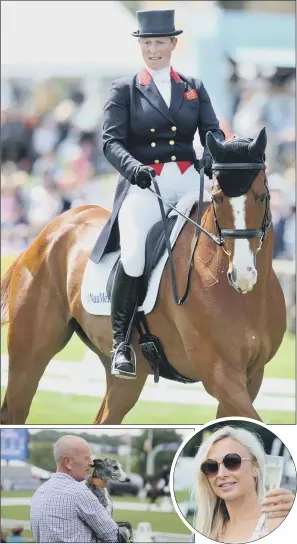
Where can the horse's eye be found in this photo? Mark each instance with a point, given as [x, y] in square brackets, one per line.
[115, 467]
[261, 198]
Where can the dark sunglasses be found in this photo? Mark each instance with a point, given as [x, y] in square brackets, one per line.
[231, 461]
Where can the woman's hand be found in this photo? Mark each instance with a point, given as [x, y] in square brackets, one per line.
[277, 503]
[143, 176]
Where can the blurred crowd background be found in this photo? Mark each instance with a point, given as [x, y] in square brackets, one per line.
[53, 90]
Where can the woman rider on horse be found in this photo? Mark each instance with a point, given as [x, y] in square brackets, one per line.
[150, 121]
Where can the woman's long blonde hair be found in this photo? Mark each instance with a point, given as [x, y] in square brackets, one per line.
[211, 511]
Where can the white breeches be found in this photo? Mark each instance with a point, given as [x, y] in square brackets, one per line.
[140, 210]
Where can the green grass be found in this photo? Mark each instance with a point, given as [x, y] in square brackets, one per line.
[161, 521]
[182, 496]
[166, 522]
[16, 493]
[6, 262]
[48, 407]
[74, 351]
[283, 363]
[15, 512]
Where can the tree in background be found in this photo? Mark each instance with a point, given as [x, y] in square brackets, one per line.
[41, 455]
[164, 457]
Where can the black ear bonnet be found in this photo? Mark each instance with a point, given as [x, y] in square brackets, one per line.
[238, 150]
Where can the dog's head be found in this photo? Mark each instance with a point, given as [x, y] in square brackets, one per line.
[109, 469]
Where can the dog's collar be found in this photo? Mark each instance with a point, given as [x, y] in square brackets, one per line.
[98, 482]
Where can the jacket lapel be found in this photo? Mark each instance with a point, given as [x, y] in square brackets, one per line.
[178, 88]
[146, 85]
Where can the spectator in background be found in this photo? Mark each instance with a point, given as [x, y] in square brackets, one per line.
[14, 140]
[16, 535]
[278, 115]
[45, 203]
[45, 136]
[281, 210]
[45, 163]
[3, 535]
[14, 221]
[247, 120]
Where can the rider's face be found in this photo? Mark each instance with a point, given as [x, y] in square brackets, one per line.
[156, 52]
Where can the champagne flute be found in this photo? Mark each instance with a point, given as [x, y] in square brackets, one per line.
[273, 471]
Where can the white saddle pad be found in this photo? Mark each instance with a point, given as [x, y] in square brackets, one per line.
[93, 291]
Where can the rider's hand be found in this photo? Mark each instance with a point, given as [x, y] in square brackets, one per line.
[143, 176]
[206, 161]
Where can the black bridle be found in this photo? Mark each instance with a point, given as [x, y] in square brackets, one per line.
[236, 234]
[223, 233]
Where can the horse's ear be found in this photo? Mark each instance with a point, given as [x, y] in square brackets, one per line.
[258, 145]
[215, 147]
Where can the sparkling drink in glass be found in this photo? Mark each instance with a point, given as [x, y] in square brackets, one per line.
[273, 471]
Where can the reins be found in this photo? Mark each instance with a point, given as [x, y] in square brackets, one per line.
[177, 300]
[217, 240]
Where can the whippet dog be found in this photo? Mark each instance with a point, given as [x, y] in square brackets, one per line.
[104, 470]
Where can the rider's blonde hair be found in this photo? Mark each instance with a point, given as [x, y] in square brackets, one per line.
[211, 512]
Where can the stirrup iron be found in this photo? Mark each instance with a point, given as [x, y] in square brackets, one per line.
[122, 373]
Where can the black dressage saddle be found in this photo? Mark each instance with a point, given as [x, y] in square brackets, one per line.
[154, 249]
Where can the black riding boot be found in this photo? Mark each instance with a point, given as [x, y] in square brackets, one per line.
[123, 300]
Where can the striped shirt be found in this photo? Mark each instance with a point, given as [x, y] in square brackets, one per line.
[64, 510]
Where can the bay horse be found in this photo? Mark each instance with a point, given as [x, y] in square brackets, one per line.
[230, 326]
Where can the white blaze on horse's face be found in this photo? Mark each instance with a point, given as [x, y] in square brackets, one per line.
[242, 271]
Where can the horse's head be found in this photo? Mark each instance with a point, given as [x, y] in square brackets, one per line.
[241, 203]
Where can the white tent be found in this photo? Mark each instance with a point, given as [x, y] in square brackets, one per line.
[14, 465]
[82, 37]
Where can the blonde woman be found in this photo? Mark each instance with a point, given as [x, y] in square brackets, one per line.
[231, 502]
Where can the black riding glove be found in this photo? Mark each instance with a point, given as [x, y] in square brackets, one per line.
[206, 161]
[143, 176]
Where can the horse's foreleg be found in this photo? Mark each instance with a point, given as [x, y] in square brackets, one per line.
[121, 395]
[253, 386]
[231, 390]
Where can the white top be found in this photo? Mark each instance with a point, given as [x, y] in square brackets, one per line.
[163, 82]
[260, 531]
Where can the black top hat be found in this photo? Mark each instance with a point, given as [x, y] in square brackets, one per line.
[156, 22]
